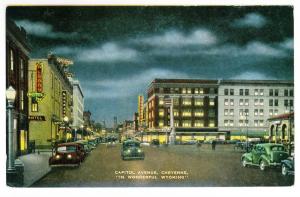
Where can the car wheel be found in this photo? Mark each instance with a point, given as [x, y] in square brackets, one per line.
[284, 170]
[244, 162]
[262, 165]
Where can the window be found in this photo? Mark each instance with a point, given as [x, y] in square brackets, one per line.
[241, 102]
[241, 123]
[160, 101]
[231, 92]
[161, 112]
[201, 91]
[261, 92]
[276, 92]
[291, 103]
[175, 112]
[271, 112]
[247, 92]
[271, 92]
[261, 102]
[246, 102]
[241, 92]
[291, 92]
[286, 103]
[196, 91]
[161, 123]
[261, 112]
[186, 101]
[225, 91]
[186, 123]
[11, 60]
[270, 102]
[226, 102]
[261, 123]
[186, 113]
[276, 112]
[183, 91]
[176, 123]
[231, 102]
[256, 112]
[275, 102]
[34, 105]
[226, 123]
[199, 123]
[225, 112]
[21, 68]
[189, 90]
[211, 113]
[199, 102]
[286, 92]
[199, 113]
[256, 102]
[231, 112]
[211, 102]
[256, 92]
[241, 113]
[175, 101]
[212, 91]
[231, 123]
[256, 123]
[211, 123]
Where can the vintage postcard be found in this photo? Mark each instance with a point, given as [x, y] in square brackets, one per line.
[149, 96]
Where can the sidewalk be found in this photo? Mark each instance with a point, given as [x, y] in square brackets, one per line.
[35, 167]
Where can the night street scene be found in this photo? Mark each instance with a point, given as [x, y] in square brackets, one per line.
[149, 96]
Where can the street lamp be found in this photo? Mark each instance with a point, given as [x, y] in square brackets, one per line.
[246, 122]
[66, 120]
[10, 96]
[81, 127]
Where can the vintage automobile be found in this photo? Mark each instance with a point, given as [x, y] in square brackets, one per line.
[67, 154]
[154, 142]
[86, 146]
[287, 166]
[131, 149]
[265, 155]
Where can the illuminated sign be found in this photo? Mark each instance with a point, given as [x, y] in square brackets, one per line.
[36, 95]
[37, 118]
[39, 77]
[64, 61]
[64, 102]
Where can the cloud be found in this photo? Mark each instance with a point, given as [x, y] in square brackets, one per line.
[251, 75]
[255, 20]
[288, 43]
[128, 86]
[41, 29]
[199, 37]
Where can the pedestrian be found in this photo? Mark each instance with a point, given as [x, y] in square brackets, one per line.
[213, 145]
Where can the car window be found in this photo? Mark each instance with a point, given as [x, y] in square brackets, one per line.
[131, 144]
[66, 149]
[277, 148]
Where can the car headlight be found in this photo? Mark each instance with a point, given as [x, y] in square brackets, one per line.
[57, 157]
[69, 156]
[128, 151]
[139, 151]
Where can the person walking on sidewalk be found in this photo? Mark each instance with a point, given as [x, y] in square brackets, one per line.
[213, 145]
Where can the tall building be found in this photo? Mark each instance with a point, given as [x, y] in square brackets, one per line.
[17, 56]
[246, 105]
[195, 108]
[141, 110]
[87, 118]
[78, 104]
[50, 101]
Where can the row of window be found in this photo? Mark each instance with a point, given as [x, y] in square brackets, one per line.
[188, 123]
[12, 64]
[187, 90]
[187, 113]
[259, 92]
[257, 102]
[244, 123]
[186, 101]
[245, 112]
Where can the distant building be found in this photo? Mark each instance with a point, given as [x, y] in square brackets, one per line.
[141, 110]
[78, 104]
[50, 101]
[87, 119]
[282, 128]
[17, 56]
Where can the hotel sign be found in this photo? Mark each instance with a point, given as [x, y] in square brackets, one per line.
[37, 118]
[39, 77]
[64, 102]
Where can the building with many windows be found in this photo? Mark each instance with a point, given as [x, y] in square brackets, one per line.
[50, 101]
[195, 108]
[78, 104]
[17, 56]
[246, 105]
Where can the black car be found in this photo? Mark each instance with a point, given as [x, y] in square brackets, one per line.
[287, 166]
[155, 142]
[131, 149]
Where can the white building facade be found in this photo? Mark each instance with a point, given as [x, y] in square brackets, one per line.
[78, 104]
[244, 106]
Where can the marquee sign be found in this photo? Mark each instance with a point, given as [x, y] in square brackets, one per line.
[39, 77]
[64, 102]
[64, 61]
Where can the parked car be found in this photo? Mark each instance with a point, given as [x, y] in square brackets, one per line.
[131, 149]
[190, 142]
[265, 155]
[155, 142]
[86, 146]
[287, 166]
[67, 154]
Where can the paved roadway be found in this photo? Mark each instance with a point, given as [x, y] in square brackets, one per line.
[196, 167]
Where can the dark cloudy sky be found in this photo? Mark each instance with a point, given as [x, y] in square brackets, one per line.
[118, 51]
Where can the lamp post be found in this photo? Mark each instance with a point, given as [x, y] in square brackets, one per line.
[10, 96]
[66, 120]
[246, 122]
[81, 127]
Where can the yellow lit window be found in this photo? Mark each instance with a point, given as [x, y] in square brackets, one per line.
[161, 101]
[199, 102]
[189, 90]
[186, 124]
[176, 123]
[183, 91]
[211, 123]
[161, 112]
[175, 112]
[34, 105]
[199, 123]
[186, 113]
[161, 124]
[187, 101]
[211, 102]
[199, 113]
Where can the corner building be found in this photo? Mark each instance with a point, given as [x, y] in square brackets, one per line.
[195, 109]
[50, 100]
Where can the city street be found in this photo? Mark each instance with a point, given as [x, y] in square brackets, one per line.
[185, 165]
